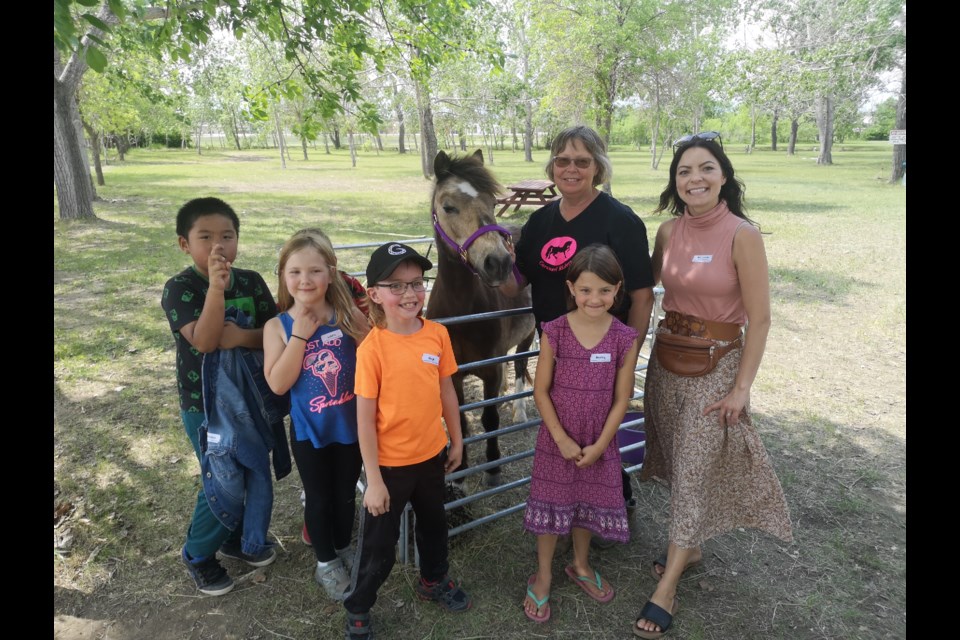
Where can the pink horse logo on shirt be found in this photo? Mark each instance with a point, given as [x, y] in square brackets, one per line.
[556, 251]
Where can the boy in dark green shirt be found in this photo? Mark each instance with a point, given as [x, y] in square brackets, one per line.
[195, 301]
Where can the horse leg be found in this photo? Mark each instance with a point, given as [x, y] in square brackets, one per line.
[490, 418]
[521, 376]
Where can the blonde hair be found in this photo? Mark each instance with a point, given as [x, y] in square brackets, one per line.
[338, 293]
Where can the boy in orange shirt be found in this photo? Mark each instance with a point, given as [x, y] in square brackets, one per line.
[403, 389]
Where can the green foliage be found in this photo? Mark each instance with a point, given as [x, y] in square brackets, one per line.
[884, 118]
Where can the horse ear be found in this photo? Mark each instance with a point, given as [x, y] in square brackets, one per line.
[478, 154]
[440, 163]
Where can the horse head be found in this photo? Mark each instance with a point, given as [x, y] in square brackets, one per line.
[463, 202]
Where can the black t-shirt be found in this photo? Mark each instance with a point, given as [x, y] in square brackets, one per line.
[183, 298]
[548, 243]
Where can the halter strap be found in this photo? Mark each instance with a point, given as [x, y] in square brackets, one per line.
[461, 250]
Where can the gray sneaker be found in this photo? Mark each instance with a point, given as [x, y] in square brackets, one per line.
[334, 579]
[346, 557]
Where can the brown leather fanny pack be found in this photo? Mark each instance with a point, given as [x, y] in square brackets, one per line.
[691, 348]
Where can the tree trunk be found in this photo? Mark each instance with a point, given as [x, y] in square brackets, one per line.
[463, 139]
[428, 150]
[326, 142]
[303, 145]
[825, 114]
[95, 147]
[280, 142]
[353, 150]
[71, 175]
[792, 145]
[379, 143]
[899, 168]
[528, 134]
[336, 138]
[753, 126]
[236, 135]
[773, 130]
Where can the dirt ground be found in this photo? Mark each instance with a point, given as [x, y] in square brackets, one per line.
[829, 403]
[834, 426]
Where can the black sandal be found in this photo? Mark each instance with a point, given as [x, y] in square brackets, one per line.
[358, 626]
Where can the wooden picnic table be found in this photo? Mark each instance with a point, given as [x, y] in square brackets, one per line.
[528, 192]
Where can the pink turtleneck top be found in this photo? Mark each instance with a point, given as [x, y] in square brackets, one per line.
[698, 275]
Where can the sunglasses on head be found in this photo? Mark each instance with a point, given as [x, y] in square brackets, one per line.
[703, 135]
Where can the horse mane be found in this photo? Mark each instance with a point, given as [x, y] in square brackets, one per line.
[471, 169]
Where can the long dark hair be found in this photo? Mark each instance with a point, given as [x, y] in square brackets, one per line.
[731, 191]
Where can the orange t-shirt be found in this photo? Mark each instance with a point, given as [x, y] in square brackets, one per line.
[402, 373]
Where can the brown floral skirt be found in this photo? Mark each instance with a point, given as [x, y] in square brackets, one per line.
[720, 478]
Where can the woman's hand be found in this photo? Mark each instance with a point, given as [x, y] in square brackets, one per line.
[730, 407]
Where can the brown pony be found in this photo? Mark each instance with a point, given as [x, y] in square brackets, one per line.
[472, 262]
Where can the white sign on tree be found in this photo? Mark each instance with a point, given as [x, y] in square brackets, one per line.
[898, 136]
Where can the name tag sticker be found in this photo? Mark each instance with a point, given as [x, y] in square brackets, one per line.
[333, 336]
[432, 359]
[703, 258]
[599, 357]
[213, 438]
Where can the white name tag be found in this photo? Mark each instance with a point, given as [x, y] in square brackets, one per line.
[213, 438]
[333, 336]
[703, 258]
[432, 359]
[599, 357]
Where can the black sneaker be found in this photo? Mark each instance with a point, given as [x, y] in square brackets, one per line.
[211, 578]
[233, 551]
[444, 592]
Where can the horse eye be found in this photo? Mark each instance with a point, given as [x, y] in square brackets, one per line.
[447, 208]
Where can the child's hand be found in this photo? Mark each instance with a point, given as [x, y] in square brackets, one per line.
[305, 324]
[218, 269]
[569, 449]
[377, 499]
[454, 457]
[591, 453]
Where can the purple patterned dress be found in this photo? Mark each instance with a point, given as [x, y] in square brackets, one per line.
[563, 496]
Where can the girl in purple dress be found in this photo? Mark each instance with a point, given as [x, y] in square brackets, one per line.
[583, 384]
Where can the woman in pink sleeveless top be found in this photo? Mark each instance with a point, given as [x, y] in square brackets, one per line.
[701, 442]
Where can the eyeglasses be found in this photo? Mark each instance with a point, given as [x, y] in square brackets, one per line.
[703, 135]
[400, 288]
[562, 163]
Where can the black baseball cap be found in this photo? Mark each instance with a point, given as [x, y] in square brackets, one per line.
[388, 256]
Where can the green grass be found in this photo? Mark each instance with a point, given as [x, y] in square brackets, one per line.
[829, 402]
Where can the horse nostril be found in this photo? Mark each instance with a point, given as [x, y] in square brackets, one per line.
[497, 266]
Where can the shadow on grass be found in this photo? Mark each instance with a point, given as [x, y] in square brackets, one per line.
[814, 286]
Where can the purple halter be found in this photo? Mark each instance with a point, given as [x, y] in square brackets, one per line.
[461, 250]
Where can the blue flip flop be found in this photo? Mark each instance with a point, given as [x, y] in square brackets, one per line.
[540, 602]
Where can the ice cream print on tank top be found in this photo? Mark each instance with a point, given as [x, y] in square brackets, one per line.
[321, 359]
[557, 252]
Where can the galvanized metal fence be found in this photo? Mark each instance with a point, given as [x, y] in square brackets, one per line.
[478, 497]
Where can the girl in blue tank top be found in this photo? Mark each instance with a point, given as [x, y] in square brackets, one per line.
[310, 350]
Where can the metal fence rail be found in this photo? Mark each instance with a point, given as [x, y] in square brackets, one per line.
[407, 522]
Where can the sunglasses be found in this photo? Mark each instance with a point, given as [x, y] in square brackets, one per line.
[703, 135]
[562, 163]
